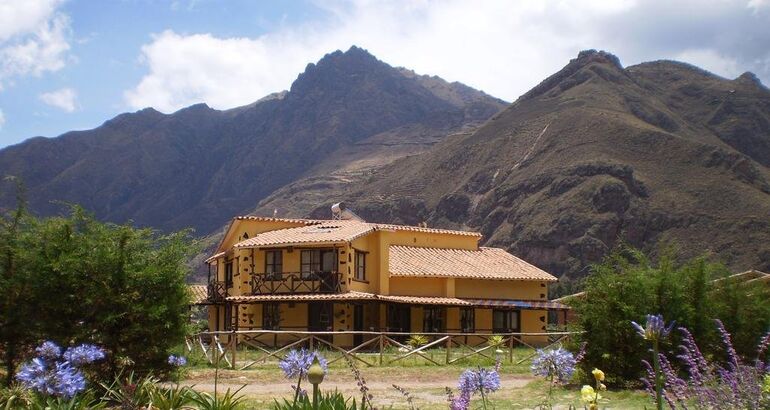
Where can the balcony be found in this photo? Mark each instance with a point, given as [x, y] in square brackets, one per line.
[217, 291]
[295, 282]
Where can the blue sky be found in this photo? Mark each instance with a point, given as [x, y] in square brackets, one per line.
[72, 64]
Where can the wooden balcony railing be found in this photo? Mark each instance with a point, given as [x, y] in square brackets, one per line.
[295, 282]
[217, 291]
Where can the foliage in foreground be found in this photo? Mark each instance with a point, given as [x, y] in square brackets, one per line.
[627, 286]
[85, 281]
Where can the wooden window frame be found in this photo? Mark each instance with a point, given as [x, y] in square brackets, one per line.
[360, 268]
[229, 274]
[276, 273]
[271, 316]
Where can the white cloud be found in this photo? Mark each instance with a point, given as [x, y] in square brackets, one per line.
[499, 46]
[2, 119]
[33, 37]
[65, 99]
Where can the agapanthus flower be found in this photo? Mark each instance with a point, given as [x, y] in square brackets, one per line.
[49, 350]
[177, 361]
[557, 363]
[654, 329]
[58, 379]
[297, 362]
[83, 354]
[479, 381]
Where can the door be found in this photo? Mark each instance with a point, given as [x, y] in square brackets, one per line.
[319, 316]
[358, 323]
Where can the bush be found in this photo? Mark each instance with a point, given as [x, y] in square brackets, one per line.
[85, 281]
[627, 286]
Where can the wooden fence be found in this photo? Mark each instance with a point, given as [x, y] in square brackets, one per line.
[223, 346]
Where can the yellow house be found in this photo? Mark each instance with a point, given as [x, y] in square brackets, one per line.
[351, 275]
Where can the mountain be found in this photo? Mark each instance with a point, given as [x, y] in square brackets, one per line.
[596, 154]
[198, 166]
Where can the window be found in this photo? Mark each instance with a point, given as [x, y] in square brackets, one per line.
[271, 316]
[434, 319]
[360, 265]
[467, 320]
[273, 264]
[317, 260]
[229, 274]
[505, 321]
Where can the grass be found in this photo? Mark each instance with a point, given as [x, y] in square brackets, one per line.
[424, 380]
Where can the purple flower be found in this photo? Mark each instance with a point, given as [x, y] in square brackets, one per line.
[654, 329]
[297, 362]
[59, 379]
[558, 364]
[83, 354]
[49, 350]
[177, 361]
[479, 381]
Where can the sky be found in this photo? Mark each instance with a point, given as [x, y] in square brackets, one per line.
[73, 64]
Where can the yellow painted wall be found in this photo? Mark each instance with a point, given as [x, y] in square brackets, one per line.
[417, 286]
[499, 289]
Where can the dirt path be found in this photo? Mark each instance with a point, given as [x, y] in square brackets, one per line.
[430, 389]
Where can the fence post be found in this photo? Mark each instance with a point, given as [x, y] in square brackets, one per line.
[510, 349]
[449, 349]
[234, 345]
[382, 346]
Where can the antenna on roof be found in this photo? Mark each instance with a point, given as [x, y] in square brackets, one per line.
[275, 212]
[341, 212]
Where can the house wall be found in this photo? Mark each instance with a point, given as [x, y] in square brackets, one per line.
[499, 289]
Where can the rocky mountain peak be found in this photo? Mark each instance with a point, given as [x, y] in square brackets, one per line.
[750, 78]
[588, 64]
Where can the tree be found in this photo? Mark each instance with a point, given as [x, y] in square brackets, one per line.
[74, 279]
[17, 303]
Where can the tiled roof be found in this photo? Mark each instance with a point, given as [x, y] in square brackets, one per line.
[424, 300]
[289, 297]
[320, 233]
[485, 263]
[413, 300]
[519, 304]
[214, 257]
[198, 294]
[272, 219]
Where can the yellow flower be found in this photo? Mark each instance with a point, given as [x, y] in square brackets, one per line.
[602, 387]
[587, 394]
[598, 374]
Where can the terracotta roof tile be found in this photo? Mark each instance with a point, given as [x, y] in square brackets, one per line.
[320, 233]
[293, 297]
[485, 263]
[214, 257]
[198, 294]
[424, 300]
[272, 219]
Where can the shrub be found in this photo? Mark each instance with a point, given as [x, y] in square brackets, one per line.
[328, 401]
[82, 280]
[627, 286]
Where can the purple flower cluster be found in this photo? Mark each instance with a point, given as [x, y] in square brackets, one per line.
[654, 329]
[55, 374]
[557, 364]
[480, 381]
[731, 385]
[177, 361]
[83, 354]
[297, 362]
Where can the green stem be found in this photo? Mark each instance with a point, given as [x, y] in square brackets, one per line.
[315, 397]
[296, 393]
[658, 376]
[483, 399]
[550, 391]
